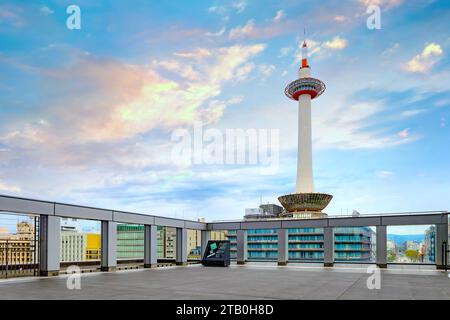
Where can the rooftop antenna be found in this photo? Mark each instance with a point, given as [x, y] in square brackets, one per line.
[304, 50]
[304, 35]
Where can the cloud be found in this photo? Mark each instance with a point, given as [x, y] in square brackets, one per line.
[424, 61]
[198, 53]
[394, 48]
[272, 29]
[243, 72]
[385, 174]
[185, 71]
[266, 69]
[385, 4]
[12, 15]
[239, 6]
[412, 113]
[337, 43]
[217, 9]
[343, 121]
[216, 34]
[9, 188]
[321, 48]
[333, 130]
[285, 51]
[340, 18]
[118, 101]
[46, 10]
[243, 31]
[101, 136]
[404, 133]
[279, 16]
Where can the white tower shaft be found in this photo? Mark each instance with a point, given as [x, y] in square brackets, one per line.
[305, 182]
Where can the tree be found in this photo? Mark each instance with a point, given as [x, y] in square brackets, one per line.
[412, 255]
[391, 257]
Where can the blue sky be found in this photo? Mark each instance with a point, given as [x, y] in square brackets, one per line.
[87, 115]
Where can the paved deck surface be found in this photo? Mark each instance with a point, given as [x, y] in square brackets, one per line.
[253, 281]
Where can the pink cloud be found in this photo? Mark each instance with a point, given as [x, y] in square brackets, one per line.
[404, 133]
[98, 99]
[11, 15]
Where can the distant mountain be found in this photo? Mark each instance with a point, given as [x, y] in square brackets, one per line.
[400, 238]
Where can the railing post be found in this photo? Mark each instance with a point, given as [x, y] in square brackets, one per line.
[328, 247]
[150, 246]
[283, 247]
[381, 246]
[109, 246]
[181, 259]
[7, 258]
[49, 245]
[241, 246]
[206, 236]
[441, 237]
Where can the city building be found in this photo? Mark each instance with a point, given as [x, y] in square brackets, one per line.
[391, 246]
[21, 247]
[130, 241]
[354, 244]
[194, 238]
[166, 247]
[73, 246]
[306, 244]
[93, 246]
[264, 211]
[429, 244]
[69, 224]
[411, 245]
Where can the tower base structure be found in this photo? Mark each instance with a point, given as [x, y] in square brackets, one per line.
[305, 205]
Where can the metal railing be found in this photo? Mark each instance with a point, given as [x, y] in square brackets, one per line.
[337, 216]
[19, 256]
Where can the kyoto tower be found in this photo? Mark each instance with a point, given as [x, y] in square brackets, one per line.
[304, 203]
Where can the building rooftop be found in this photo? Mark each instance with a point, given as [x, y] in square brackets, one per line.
[252, 281]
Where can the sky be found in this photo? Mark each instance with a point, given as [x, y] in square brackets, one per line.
[88, 115]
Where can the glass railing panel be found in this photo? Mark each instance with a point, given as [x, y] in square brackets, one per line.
[411, 244]
[355, 244]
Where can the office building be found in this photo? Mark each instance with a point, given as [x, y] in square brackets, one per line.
[130, 241]
[355, 244]
[18, 248]
[93, 246]
[73, 246]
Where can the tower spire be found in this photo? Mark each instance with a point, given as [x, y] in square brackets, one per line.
[304, 51]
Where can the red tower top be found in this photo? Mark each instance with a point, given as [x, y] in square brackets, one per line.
[304, 84]
[305, 55]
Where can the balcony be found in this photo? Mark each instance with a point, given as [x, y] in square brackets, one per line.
[155, 282]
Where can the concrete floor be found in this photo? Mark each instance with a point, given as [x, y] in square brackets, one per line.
[252, 281]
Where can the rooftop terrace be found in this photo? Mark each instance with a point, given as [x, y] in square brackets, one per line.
[252, 281]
